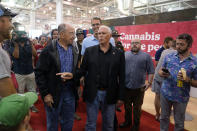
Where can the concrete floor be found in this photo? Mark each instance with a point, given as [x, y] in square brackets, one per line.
[148, 106]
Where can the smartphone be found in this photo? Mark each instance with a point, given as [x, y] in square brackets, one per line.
[165, 70]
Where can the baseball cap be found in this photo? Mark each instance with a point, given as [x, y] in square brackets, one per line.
[6, 12]
[115, 33]
[79, 31]
[14, 108]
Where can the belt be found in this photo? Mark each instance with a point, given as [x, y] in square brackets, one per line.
[102, 89]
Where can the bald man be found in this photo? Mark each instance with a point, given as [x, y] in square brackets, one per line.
[54, 76]
[103, 67]
[138, 64]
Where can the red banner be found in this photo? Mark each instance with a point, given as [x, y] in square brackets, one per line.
[152, 35]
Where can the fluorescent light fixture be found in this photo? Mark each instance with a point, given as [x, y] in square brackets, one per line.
[106, 8]
[68, 13]
[11, 3]
[21, 28]
[78, 8]
[53, 26]
[69, 0]
[120, 7]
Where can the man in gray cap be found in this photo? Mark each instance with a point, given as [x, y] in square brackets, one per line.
[6, 84]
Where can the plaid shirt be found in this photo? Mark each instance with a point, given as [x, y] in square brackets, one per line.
[66, 58]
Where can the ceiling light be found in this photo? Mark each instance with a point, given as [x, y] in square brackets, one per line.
[50, 8]
[38, 21]
[68, 13]
[69, 0]
[78, 8]
[106, 8]
[21, 28]
[94, 11]
[90, 11]
[44, 11]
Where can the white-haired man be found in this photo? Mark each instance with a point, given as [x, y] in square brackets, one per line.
[103, 67]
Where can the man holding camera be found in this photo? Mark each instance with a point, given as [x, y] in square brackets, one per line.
[21, 53]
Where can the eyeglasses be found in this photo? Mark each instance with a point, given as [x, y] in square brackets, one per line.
[135, 43]
[97, 24]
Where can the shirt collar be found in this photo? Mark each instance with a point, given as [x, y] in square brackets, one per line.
[110, 48]
[93, 38]
[191, 57]
[136, 53]
[59, 45]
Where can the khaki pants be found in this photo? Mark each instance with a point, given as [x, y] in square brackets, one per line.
[26, 81]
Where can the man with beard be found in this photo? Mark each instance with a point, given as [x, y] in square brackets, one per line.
[137, 65]
[6, 84]
[157, 80]
[173, 94]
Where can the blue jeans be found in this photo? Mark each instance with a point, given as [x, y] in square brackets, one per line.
[107, 110]
[63, 113]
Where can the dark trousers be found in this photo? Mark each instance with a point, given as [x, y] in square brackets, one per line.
[115, 123]
[134, 98]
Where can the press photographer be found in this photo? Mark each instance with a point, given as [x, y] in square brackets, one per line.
[22, 51]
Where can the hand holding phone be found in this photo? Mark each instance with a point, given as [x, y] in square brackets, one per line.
[165, 70]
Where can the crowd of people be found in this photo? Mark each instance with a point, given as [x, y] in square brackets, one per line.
[56, 67]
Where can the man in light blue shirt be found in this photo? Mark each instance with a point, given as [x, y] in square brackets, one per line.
[93, 40]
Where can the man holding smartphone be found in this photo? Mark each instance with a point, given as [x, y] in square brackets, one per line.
[157, 80]
[171, 94]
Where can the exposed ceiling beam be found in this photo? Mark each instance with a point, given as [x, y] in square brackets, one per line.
[162, 3]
